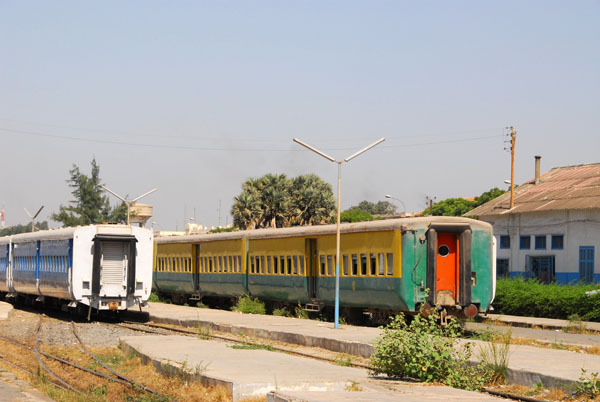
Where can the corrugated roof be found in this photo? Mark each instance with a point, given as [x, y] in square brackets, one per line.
[567, 187]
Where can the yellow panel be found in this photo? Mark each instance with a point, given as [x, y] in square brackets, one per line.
[174, 250]
[357, 243]
[286, 246]
[229, 247]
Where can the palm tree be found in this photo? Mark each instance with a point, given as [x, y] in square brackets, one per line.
[276, 201]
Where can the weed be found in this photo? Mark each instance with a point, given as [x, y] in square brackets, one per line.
[249, 305]
[201, 305]
[155, 298]
[253, 347]
[494, 356]
[282, 312]
[300, 312]
[426, 351]
[99, 390]
[344, 360]
[353, 386]
[575, 325]
[588, 385]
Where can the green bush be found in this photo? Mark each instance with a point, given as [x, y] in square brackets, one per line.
[533, 299]
[425, 351]
[249, 305]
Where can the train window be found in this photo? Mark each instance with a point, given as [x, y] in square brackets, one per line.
[252, 265]
[209, 260]
[323, 265]
[231, 267]
[330, 265]
[345, 264]
[239, 260]
[284, 268]
[302, 265]
[295, 259]
[373, 264]
[354, 264]
[381, 264]
[221, 265]
[390, 264]
[363, 264]
[226, 267]
[290, 267]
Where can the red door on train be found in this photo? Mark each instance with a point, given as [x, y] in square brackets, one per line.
[447, 269]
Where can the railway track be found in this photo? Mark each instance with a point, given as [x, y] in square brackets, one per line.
[55, 379]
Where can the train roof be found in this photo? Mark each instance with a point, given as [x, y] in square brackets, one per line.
[319, 230]
[64, 233]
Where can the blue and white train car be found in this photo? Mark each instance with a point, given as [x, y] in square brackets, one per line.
[104, 267]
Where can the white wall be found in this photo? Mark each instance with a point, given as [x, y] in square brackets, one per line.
[579, 228]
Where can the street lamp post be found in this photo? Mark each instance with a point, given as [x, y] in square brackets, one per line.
[337, 258]
[399, 200]
[129, 203]
[33, 217]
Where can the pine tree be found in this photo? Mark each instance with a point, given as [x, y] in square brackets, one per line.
[89, 205]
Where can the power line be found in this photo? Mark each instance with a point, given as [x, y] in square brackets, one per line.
[195, 148]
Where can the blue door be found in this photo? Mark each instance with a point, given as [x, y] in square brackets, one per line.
[586, 263]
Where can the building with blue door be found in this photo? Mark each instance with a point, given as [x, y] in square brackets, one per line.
[553, 231]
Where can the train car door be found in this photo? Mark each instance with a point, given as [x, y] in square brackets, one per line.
[447, 272]
[311, 267]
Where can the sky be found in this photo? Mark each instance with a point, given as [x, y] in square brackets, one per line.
[195, 97]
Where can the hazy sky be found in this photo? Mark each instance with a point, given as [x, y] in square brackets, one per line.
[194, 97]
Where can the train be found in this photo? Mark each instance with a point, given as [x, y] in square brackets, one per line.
[386, 266]
[95, 267]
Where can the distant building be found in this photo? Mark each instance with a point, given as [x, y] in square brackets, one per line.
[553, 231]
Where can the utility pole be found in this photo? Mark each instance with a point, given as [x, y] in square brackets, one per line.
[219, 213]
[513, 138]
[429, 201]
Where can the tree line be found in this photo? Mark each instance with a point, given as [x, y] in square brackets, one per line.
[270, 201]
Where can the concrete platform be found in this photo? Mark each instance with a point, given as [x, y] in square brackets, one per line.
[544, 323]
[12, 389]
[258, 372]
[5, 310]
[404, 393]
[243, 372]
[527, 365]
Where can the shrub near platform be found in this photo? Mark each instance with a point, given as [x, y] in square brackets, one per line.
[530, 298]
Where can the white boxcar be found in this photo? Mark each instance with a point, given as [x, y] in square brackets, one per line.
[105, 267]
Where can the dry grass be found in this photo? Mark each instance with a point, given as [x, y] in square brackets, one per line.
[543, 394]
[98, 389]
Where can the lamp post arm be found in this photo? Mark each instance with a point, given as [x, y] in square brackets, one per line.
[365, 149]
[315, 150]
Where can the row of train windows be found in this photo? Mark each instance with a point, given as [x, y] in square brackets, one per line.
[367, 264]
[25, 263]
[54, 263]
[221, 263]
[174, 264]
[47, 263]
[277, 265]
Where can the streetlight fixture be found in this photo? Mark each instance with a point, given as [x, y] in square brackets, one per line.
[33, 216]
[399, 200]
[337, 258]
[129, 203]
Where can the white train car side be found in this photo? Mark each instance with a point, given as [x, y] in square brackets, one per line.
[103, 267]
